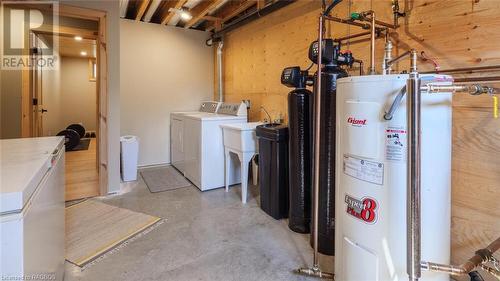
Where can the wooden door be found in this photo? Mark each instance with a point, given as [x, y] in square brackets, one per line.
[36, 87]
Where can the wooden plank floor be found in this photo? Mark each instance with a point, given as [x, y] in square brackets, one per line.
[82, 179]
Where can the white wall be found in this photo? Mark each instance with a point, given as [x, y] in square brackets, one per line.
[112, 9]
[74, 101]
[163, 69]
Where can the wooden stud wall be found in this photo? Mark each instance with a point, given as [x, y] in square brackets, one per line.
[457, 33]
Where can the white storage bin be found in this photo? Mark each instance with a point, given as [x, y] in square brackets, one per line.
[128, 157]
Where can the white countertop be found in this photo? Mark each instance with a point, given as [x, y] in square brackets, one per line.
[250, 126]
[23, 163]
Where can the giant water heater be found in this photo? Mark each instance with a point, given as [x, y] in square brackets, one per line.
[370, 208]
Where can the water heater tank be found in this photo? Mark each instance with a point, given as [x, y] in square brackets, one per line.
[370, 232]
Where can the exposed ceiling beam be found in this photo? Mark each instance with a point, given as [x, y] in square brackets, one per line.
[151, 10]
[233, 13]
[168, 16]
[243, 7]
[202, 10]
[142, 9]
[211, 18]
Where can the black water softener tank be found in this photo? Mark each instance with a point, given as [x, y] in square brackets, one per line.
[300, 126]
[332, 59]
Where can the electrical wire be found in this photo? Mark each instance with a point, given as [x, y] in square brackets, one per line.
[425, 57]
[331, 6]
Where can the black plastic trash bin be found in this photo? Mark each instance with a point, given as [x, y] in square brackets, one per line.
[273, 169]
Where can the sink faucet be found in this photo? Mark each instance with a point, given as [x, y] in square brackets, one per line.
[267, 113]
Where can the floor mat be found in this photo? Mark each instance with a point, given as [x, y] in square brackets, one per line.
[94, 228]
[83, 145]
[163, 179]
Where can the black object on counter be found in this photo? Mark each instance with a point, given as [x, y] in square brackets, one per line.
[273, 169]
[300, 108]
[331, 71]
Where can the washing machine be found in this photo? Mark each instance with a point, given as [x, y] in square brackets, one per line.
[202, 145]
[177, 132]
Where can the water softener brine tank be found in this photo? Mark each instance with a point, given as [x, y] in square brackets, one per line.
[370, 232]
[332, 58]
[300, 107]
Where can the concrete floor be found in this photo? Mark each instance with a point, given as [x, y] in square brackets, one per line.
[206, 236]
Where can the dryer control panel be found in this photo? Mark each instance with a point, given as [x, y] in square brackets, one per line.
[209, 106]
[233, 109]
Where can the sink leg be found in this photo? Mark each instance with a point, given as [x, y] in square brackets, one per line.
[245, 162]
[227, 169]
[244, 180]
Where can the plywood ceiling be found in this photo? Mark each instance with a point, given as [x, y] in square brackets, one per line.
[69, 47]
[207, 15]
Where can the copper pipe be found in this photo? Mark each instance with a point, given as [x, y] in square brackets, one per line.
[317, 112]
[361, 66]
[478, 79]
[414, 176]
[444, 268]
[481, 255]
[315, 270]
[465, 69]
[372, 45]
[390, 62]
[378, 22]
[474, 89]
[340, 39]
[388, 25]
[372, 38]
[479, 258]
[348, 21]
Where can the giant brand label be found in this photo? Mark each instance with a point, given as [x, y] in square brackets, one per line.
[356, 122]
[363, 169]
[395, 144]
[364, 209]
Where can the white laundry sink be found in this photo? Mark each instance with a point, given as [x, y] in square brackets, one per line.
[241, 136]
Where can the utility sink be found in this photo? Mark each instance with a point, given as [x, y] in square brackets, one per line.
[241, 136]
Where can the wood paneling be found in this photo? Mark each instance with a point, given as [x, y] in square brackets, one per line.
[456, 33]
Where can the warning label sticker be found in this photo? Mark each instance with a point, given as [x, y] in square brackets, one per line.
[365, 170]
[395, 144]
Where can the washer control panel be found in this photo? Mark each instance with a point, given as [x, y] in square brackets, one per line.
[209, 106]
[233, 109]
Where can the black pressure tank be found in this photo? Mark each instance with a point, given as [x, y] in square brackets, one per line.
[331, 71]
[300, 148]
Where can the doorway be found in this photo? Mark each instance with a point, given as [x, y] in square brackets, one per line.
[65, 103]
[75, 93]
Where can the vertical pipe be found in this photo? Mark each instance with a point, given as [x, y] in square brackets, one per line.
[219, 70]
[372, 45]
[413, 173]
[317, 113]
[386, 68]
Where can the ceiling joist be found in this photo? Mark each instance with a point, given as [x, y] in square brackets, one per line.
[201, 10]
[233, 12]
[208, 15]
[142, 9]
